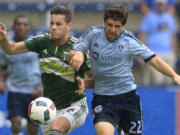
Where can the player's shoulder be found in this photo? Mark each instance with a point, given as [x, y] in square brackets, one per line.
[127, 34]
[168, 16]
[130, 37]
[93, 31]
[45, 36]
[73, 40]
[97, 29]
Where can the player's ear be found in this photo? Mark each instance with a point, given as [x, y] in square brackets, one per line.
[69, 26]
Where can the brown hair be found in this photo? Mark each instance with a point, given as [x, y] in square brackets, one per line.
[116, 12]
[62, 10]
[18, 17]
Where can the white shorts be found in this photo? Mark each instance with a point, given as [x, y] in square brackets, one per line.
[76, 114]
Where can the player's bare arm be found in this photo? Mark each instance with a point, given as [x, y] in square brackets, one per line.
[164, 68]
[81, 85]
[76, 59]
[89, 81]
[86, 83]
[8, 47]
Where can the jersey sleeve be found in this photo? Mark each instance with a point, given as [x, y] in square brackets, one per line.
[84, 42]
[36, 44]
[139, 49]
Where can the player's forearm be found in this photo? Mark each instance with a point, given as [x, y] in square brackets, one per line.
[162, 67]
[8, 47]
[4, 42]
[76, 59]
[14, 48]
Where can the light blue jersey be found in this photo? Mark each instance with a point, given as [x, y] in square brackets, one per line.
[111, 62]
[158, 27]
[25, 74]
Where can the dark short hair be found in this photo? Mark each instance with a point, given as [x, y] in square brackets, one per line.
[62, 10]
[116, 12]
[18, 17]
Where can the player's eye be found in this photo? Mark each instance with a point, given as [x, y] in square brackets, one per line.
[109, 24]
[58, 24]
[117, 26]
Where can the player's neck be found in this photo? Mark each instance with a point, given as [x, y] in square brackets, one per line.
[62, 40]
[18, 39]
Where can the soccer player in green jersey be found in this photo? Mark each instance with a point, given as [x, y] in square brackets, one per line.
[61, 83]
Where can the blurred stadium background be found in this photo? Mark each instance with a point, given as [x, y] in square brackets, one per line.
[161, 104]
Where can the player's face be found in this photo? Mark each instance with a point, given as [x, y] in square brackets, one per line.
[160, 6]
[21, 27]
[113, 29]
[59, 28]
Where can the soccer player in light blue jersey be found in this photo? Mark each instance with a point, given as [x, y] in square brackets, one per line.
[23, 81]
[112, 49]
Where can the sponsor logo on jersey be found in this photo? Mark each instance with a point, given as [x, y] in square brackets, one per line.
[107, 58]
[56, 66]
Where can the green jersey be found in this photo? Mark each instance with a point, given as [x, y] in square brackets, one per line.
[57, 76]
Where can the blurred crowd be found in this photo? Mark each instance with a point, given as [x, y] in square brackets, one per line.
[158, 30]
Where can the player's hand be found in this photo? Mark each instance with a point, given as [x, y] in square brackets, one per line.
[81, 85]
[3, 33]
[177, 79]
[76, 59]
[38, 91]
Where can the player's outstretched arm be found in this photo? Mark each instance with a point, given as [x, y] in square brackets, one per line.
[8, 47]
[76, 59]
[164, 68]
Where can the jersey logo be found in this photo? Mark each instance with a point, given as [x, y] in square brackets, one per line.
[96, 45]
[95, 55]
[120, 47]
